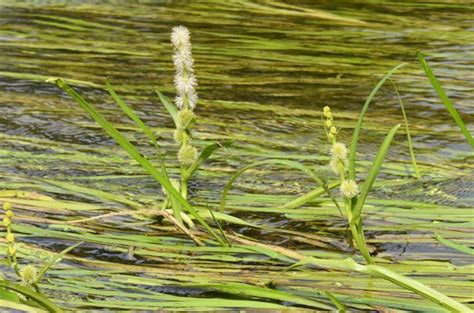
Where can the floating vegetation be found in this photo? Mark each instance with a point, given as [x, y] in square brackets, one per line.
[201, 211]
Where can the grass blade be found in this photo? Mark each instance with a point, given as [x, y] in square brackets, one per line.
[355, 135]
[133, 152]
[261, 292]
[205, 154]
[339, 305]
[36, 297]
[56, 259]
[170, 107]
[407, 130]
[454, 245]
[446, 101]
[373, 172]
[131, 114]
[288, 163]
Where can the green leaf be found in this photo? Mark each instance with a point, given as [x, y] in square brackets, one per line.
[205, 154]
[407, 130]
[55, 260]
[340, 306]
[170, 107]
[36, 297]
[134, 153]
[454, 245]
[356, 133]
[130, 113]
[446, 101]
[373, 172]
[288, 163]
[260, 292]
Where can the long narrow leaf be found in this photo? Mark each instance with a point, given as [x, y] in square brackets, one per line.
[36, 297]
[288, 163]
[373, 172]
[125, 108]
[56, 259]
[454, 245]
[205, 154]
[356, 133]
[133, 152]
[446, 101]
[407, 130]
[171, 108]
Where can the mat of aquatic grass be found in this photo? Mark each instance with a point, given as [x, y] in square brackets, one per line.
[420, 228]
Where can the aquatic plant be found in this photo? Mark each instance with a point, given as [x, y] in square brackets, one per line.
[185, 100]
[342, 163]
[28, 274]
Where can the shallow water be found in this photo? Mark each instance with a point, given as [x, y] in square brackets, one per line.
[265, 71]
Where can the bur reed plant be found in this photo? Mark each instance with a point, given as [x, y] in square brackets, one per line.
[182, 113]
[27, 292]
[342, 163]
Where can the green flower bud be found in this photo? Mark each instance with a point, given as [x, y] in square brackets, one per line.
[179, 136]
[187, 155]
[328, 123]
[7, 206]
[9, 214]
[7, 222]
[11, 250]
[328, 115]
[10, 237]
[185, 118]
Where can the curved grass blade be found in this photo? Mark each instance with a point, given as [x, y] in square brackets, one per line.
[131, 114]
[288, 163]
[454, 245]
[171, 108]
[373, 172]
[356, 133]
[205, 154]
[446, 101]
[309, 196]
[339, 305]
[133, 152]
[36, 297]
[407, 130]
[56, 259]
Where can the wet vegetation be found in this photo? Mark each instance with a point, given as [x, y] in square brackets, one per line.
[307, 176]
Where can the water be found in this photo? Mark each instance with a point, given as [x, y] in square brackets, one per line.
[265, 70]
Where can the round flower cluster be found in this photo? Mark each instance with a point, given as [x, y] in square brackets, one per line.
[349, 188]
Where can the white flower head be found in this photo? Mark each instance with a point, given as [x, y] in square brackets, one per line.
[183, 61]
[339, 151]
[29, 275]
[349, 188]
[185, 84]
[338, 166]
[180, 37]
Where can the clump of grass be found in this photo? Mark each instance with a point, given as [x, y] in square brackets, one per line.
[343, 162]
